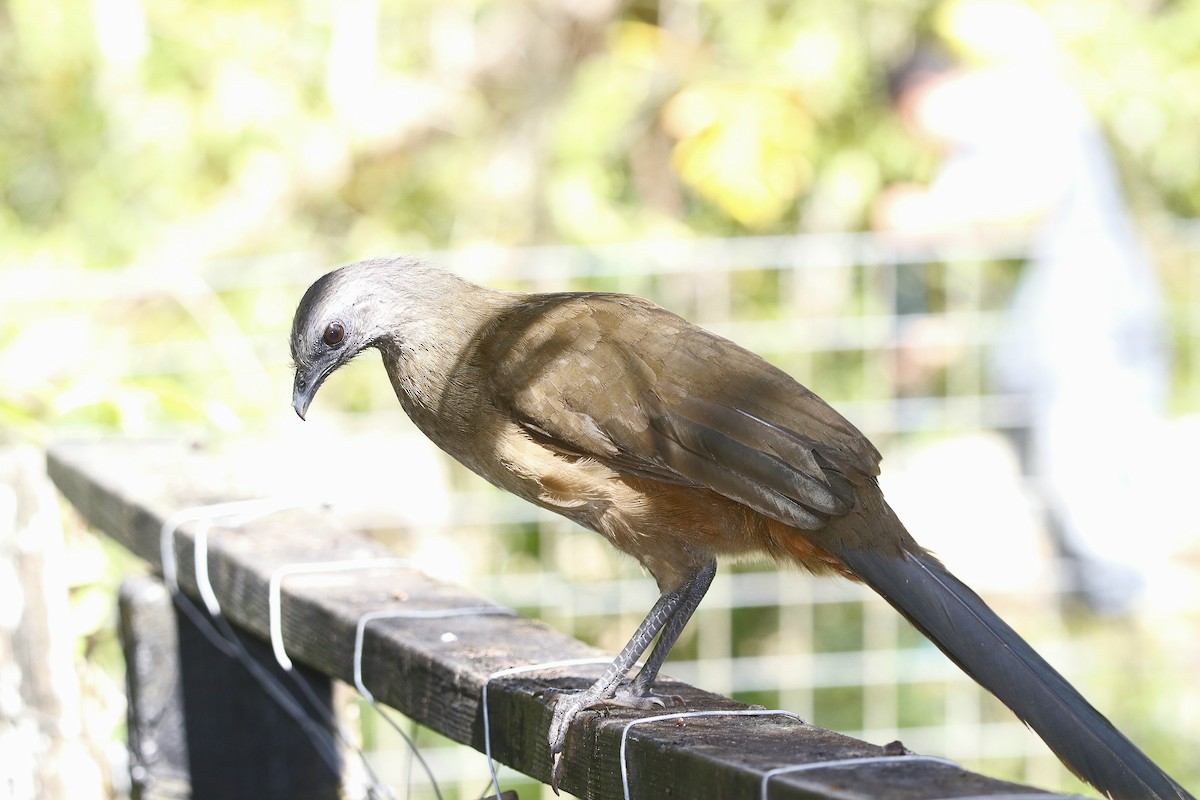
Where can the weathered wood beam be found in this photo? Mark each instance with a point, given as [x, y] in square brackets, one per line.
[434, 669]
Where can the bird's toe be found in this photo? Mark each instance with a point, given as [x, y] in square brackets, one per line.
[630, 696]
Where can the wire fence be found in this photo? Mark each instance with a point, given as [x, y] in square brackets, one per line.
[897, 335]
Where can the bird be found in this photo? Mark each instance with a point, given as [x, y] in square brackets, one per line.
[680, 448]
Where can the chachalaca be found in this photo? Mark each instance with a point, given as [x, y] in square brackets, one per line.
[679, 447]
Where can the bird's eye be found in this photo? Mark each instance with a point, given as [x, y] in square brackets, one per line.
[334, 334]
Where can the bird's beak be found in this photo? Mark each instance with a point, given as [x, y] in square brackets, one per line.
[303, 390]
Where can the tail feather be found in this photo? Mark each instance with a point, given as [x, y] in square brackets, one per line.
[986, 648]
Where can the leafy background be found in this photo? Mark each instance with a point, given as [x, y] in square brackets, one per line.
[167, 134]
[136, 130]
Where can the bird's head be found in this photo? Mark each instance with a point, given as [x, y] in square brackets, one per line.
[398, 305]
[338, 317]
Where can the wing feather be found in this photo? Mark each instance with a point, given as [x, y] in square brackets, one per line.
[620, 380]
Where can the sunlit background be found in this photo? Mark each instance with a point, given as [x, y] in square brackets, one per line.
[175, 174]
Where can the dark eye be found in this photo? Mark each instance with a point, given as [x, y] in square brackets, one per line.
[334, 333]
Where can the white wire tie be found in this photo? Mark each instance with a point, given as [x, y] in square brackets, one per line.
[236, 512]
[275, 591]
[507, 672]
[411, 613]
[200, 558]
[746, 712]
[848, 762]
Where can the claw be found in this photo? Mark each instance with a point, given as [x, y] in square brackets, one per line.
[566, 708]
[558, 768]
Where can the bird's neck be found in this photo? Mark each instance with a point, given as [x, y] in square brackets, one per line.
[432, 358]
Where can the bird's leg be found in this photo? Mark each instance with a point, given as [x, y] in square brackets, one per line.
[669, 616]
[643, 683]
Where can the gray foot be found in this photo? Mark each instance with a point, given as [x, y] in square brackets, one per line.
[567, 706]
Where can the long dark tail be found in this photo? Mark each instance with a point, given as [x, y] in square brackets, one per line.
[986, 648]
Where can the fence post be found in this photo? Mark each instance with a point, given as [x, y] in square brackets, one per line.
[199, 724]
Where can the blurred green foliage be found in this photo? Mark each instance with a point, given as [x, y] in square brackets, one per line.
[134, 130]
[169, 134]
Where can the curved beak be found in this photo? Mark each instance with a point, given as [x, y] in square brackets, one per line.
[304, 389]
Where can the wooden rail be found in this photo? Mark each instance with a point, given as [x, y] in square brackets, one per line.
[434, 669]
